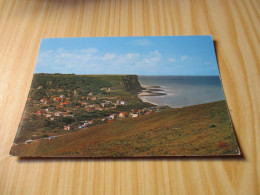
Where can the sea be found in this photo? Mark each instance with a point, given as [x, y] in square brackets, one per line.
[183, 91]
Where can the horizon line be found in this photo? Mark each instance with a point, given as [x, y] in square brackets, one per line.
[123, 74]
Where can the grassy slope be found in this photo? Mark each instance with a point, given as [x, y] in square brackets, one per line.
[183, 131]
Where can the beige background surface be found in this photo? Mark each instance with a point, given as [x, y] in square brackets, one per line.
[235, 25]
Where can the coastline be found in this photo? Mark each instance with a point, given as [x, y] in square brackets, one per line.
[180, 92]
[151, 91]
[148, 91]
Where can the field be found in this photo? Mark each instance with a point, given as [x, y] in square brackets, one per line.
[195, 130]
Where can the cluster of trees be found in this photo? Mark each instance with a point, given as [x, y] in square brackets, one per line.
[68, 82]
[58, 123]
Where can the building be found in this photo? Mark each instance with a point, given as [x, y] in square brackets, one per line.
[66, 127]
[48, 115]
[134, 115]
[148, 112]
[120, 102]
[43, 100]
[75, 93]
[56, 99]
[86, 124]
[57, 114]
[113, 116]
[122, 115]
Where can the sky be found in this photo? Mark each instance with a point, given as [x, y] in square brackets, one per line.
[163, 55]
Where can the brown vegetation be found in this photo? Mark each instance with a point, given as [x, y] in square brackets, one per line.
[193, 130]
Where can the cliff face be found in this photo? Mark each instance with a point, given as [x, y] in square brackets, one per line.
[131, 84]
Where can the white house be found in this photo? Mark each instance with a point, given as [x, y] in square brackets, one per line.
[57, 114]
[43, 100]
[89, 122]
[48, 115]
[122, 102]
[112, 116]
[122, 115]
[67, 127]
[134, 115]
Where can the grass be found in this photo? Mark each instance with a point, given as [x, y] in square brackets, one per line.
[195, 130]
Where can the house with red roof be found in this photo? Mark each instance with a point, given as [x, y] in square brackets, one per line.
[122, 115]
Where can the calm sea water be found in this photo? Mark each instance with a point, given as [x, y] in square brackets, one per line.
[183, 91]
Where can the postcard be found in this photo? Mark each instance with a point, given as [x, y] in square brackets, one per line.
[126, 97]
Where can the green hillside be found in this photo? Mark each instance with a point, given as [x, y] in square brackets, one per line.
[195, 130]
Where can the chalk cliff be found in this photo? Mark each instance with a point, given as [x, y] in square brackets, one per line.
[132, 84]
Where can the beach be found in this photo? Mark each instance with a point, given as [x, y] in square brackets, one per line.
[180, 91]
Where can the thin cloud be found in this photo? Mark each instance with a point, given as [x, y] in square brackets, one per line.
[91, 61]
[133, 55]
[154, 57]
[109, 56]
[172, 60]
[183, 58]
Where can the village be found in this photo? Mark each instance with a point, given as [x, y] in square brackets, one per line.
[62, 106]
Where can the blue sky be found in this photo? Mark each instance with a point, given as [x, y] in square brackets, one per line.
[164, 55]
